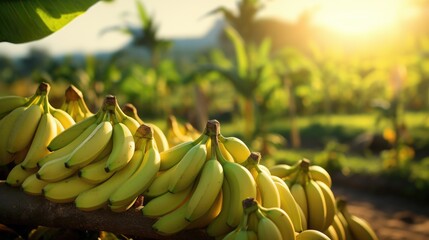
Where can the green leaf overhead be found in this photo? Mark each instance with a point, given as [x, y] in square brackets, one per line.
[28, 20]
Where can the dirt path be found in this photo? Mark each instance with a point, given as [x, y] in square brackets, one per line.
[391, 217]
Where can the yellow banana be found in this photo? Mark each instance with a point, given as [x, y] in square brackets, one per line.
[237, 148]
[123, 148]
[65, 190]
[298, 193]
[281, 170]
[311, 234]
[32, 185]
[359, 228]
[208, 216]
[270, 197]
[92, 146]
[160, 138]
[344, 224]
[218, 226]
[267, 229]
[172, 222]
[24, 128]
[6, 124]
[282, 220]
[207, 190]
[160, 184]
[289, 205]
[331, 233]
[55, 170]
[141, 179]
[188, 168]
[339, 228]
[166, 203]
[71, 133]
[330, 203]
[65, 119]
[320, 174]
[69, 148]
[225, 153]
[9, 103]
[94, 172]
[172, 156]
[46, 131]
[317, 208]
[98, 196]
[174, 133]
[123, 208]
[18, 175]
[60, 127]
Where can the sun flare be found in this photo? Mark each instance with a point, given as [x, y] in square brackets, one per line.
[360, 17]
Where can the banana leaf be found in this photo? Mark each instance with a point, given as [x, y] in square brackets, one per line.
[28, 20]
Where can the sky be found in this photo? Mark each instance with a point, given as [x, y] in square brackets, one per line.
[186, 18]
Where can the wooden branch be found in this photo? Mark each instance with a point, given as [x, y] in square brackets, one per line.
[17, 207]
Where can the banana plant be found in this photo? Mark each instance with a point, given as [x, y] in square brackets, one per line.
[29, 20]
[250, 74]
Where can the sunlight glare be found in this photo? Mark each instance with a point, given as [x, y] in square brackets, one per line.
[352, 17]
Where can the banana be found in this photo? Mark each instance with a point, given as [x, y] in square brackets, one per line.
[9, 103]
[141, 179]
[298, 193]
[24, 128]
[98, 196]
[6, 124]
[122, 208]
[32, 185]
[344, 224]
[218, 226]
[68, 148]
[281, 170]
[75, 105]
[18, 175]
[65, 119]
[186, 171]
[173, 155]
[359, 228]
[166, 203]
[242, 186]
[55, 170]
[207, 190]
[160, 138]
[282, 220]
[60, 127]
[65, 190]
[225, 153]
[320, 174]
[174, 134]
[172, 222]
[339, 228]
[122, 150]
[317, 208]
[270, 197]
[94, 172]
[311, 234]
[71, 133]
[208, 216]
[330, 203]
[267, 229]
[46, 131]
[18, 157]
[92, 146]
[160, 184]
[331, 233]
[289, 205]
[237, 148]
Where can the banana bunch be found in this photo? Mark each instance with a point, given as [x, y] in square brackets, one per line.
[197, 187]
[272, 191]
[160, 138]
[75, 105]
[259, 222]
[121, 189]
[82, 156]
[349, 226]
[310, 187]
[28, 125]
[176, 132]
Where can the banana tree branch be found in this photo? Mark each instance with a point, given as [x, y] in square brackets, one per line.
[17, 207]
